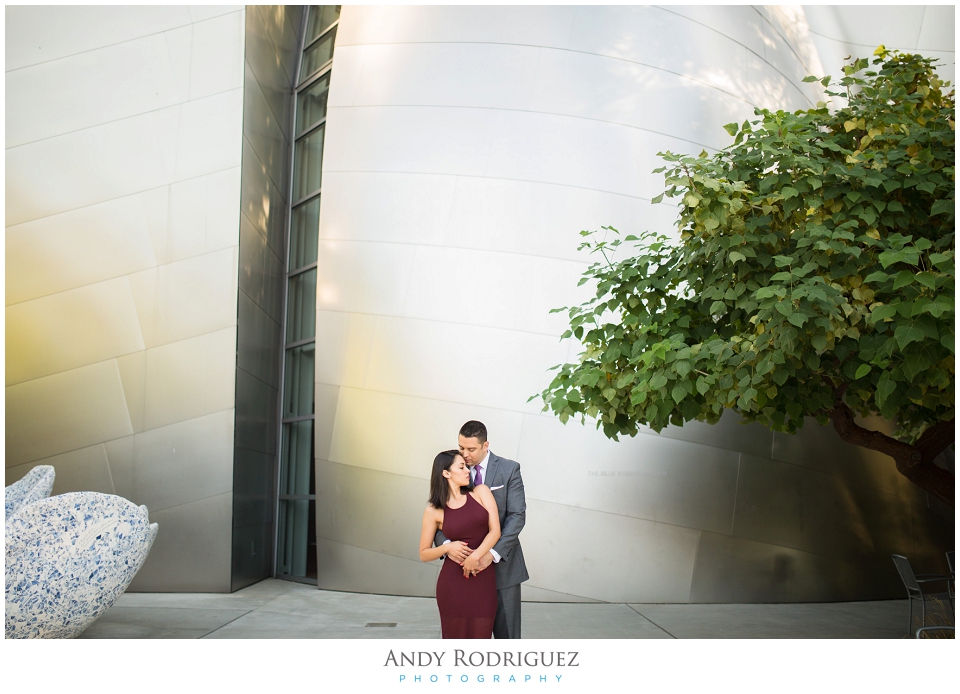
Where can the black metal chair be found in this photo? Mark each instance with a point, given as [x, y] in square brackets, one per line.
[924, 630]
[914, 590]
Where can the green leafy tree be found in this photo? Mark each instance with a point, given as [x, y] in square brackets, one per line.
[814, 276]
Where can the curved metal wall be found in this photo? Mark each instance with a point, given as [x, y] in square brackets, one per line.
[466, 149]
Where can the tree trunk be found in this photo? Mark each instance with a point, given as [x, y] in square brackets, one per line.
[913, 462]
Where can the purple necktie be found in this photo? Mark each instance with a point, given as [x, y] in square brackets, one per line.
[478, 480]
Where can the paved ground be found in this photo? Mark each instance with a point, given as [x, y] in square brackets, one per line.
[274, 609]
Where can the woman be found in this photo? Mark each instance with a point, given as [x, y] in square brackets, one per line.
[468, 516]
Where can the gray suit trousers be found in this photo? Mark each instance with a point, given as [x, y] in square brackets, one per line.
[507, 623]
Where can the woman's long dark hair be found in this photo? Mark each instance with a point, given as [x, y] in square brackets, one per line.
[439, 487]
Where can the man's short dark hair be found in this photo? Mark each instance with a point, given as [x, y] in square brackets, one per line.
[474, 430]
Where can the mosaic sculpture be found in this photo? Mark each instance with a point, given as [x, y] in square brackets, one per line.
[34, 486]
[68, 558]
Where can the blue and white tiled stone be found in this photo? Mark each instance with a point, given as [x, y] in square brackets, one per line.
[68, 558]
[35, 485]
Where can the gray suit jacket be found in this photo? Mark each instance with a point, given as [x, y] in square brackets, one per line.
[503, 478]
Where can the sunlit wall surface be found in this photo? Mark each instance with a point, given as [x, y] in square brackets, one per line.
[466, 148]
[839, 31]
[123, 152]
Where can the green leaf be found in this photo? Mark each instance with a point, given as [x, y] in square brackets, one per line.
[735, 256]
[939, 259]
[888, 258]
[941, 206]
[797, 318]
[657, 199]
[883, 312]
[903, 278]
[907, 333]
[783, 260]
[885, 388]
[862, 371]
[678, 393]
[731, 128]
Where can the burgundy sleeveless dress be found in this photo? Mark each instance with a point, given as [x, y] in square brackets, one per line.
[467, 605]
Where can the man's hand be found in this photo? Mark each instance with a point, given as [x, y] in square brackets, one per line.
[474, 564]
[458, 551]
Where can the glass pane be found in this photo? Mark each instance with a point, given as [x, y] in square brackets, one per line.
[308, 160]
[302, 306]
[298, 381]
[321, 16]
[317, 55]
[304, 233]
[296, 461]
[297, 538]
[312, 103]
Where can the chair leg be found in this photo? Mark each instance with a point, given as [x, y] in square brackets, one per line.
[910, 616]
[923, 611]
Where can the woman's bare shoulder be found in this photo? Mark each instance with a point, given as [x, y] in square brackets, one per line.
[483, 494]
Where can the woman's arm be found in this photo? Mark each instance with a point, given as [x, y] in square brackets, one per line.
[486, 499]
[432, 518]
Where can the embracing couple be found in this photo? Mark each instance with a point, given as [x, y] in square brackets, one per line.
[474, 518]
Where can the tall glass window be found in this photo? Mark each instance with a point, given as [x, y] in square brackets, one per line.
[297, 500]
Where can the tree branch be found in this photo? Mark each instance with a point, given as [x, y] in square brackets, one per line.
[843, 421]
[935, 439]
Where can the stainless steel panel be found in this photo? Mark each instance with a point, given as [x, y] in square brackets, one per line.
[254, 487]
[253, 245]
[293, 15]
[933, 535]
[258, 342]
[261, 201]
[348, 568]
[83, 470]
[605, 556]
[650, 477]
[728, 433]
[262, 55]
[412, 430]
[794, 506]
[284, 36]
[183, 462]
[263, 132]
[273, 279]
[731, 569]
[192, 551]
[256, 414]
[377, 511]
[821, 448]
[261, 270]
[122, 466]
[326, 398]
[252, 555]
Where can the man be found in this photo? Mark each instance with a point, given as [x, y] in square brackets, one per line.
[503, 478]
